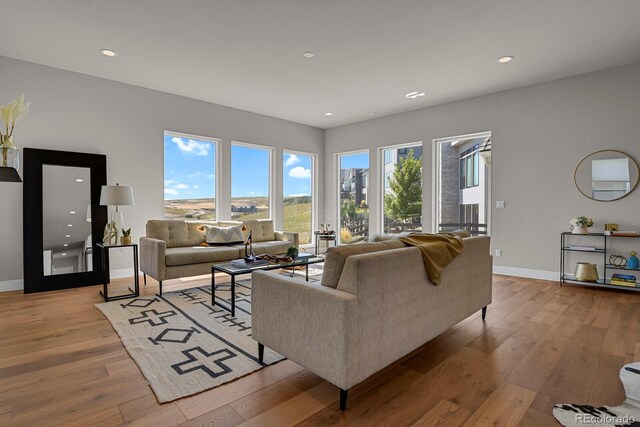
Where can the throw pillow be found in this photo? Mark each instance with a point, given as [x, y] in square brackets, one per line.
[223, 235]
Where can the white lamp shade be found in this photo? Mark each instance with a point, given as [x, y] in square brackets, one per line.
[116, 195]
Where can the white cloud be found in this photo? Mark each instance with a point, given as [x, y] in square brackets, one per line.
[170, 191]
[192, 147]
[300, 172]
[297, 195]
[195, 187]
[291, 160]
[169, 182]
[181, 186]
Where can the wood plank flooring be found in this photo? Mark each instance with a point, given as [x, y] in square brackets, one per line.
[61, 363]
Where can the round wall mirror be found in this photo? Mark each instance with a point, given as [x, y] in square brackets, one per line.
[606, 175]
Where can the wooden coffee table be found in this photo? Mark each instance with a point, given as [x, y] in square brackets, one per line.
[233, 271]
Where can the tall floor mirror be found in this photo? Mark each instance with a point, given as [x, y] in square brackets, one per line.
[62, 219]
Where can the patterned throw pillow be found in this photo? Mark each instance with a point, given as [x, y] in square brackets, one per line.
[223, 235]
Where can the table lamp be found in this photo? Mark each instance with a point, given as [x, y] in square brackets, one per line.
[115, 195]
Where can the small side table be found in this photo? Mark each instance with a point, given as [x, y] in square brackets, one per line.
[324, 237]
[104, 253]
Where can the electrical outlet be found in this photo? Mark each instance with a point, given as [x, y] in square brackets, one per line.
[499, 204]
[498, 252]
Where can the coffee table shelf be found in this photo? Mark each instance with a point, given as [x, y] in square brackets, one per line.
[233, 271]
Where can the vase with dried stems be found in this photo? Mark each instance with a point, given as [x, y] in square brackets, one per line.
[11, 113]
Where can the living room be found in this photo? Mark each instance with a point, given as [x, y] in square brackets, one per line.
[290, 118]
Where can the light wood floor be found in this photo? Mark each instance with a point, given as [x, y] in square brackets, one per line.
[62, 363]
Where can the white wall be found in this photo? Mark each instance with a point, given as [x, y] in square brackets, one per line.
[75, 112]
[540, 133]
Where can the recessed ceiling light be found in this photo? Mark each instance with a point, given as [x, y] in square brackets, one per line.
[79, 180]
[505, 59]
[69, 225]
[72, 212]
[328, 114]
[67, 235]
[107, 52]
[64, 254]
[65, 245]
[414, 95]
[309, 55]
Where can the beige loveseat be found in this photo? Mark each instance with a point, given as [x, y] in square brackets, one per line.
[375, 304]
[172, 249]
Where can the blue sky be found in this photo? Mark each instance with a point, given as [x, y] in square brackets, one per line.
[189, 170]
[296, 179]
[358, 160]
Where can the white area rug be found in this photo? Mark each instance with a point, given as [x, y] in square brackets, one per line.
[182, 344]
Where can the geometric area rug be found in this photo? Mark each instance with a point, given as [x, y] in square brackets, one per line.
[626, 414]
[184, 346]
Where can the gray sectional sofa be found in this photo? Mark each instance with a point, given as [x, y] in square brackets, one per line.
[375, 304]
[172, 249]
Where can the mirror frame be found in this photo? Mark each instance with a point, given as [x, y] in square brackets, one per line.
[575, 175]
[34, 160]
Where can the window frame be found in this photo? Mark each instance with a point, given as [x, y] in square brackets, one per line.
[216, 165]
[271, 175]
[314, 192]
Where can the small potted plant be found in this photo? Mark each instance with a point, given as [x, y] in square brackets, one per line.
[580, 225]
[292, 252]
[126, 237]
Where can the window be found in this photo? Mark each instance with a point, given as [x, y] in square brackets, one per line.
[353, 199]
[250, 182]
[388, 157]
[189, 177]
[402, 189]
[297, 192]
[387, 178]
[470, 168]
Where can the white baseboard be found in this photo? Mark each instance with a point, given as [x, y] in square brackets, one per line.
[12, 285]
[526, 272]
[18, 285]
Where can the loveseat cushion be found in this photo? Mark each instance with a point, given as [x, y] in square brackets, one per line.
[337, 256]
[262, 230]
[200, 254]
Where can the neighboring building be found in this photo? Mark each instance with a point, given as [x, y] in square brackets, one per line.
[464, 178]
[354, 183]
[244, 208]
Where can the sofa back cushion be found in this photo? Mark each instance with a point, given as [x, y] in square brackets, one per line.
[223, 235]
[176, 233]
[337, 256]
[262, 230]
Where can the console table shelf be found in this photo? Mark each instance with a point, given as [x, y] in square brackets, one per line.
[602, 249]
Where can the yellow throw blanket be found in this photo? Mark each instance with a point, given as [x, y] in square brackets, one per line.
[438, 250]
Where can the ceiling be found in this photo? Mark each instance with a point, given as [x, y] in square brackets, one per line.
[248, 54]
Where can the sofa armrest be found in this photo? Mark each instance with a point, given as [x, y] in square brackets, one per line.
[152, 257]
[289, 236]
[313, 325]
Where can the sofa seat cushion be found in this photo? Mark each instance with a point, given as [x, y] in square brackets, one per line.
[337, 256]
[270, 248]
[200, 254]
